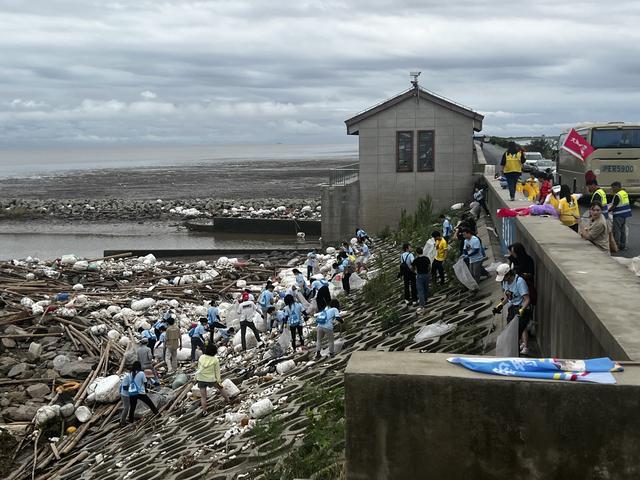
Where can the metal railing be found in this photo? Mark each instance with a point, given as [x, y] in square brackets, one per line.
[344, 175]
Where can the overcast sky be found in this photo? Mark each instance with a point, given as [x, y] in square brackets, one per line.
[265, 71]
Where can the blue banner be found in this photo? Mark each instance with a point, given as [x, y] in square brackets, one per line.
[595, 370]
[507, 234]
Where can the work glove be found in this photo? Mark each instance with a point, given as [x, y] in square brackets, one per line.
[497, 309]
[521, 311]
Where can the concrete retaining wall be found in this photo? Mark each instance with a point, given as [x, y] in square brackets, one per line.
[414, 416]
[340, 212]
[588, 304]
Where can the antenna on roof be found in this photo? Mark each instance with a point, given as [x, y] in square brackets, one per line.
[414, 76]
[414, 82]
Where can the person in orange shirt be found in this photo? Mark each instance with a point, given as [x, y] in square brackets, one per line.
[437, 267]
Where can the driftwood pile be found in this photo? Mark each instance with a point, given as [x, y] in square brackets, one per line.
[31, 337]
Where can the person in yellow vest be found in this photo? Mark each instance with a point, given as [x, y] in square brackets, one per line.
[553, 198]
[568, 208]
[620, 209]
[531, 187]
[598, 195]
[511, 163]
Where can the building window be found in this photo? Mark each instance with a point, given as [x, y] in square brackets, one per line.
[426, 162]
[404, 151]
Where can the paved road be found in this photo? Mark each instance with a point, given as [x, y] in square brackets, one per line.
[493, 154]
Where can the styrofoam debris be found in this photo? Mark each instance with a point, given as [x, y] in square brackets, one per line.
[145, 303]
[83, 414]
[261, 408]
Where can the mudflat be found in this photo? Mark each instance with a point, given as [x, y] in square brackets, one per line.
[237, 180]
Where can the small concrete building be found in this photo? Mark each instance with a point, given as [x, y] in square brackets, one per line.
[410, 146]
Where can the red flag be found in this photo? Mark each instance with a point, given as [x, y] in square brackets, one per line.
[577, 146]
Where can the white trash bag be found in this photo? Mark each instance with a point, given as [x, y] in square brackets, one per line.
[464, 275]
[356, 282]
[429, 249]
[435, 330]
[507, 342]
[285, 339]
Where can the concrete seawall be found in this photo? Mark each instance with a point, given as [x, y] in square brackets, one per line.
[588, 304]
[415, 416]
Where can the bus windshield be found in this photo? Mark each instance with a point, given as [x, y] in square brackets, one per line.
[615, 138]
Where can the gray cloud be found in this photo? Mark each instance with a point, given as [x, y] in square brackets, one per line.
[179, 71]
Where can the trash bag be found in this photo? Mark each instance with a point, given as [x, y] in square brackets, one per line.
[464, 275]
[432, 331]
[285, 339]
[430, 249]
[356, 282]
[507, 343]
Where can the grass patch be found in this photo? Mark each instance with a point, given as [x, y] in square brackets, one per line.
[320, 453]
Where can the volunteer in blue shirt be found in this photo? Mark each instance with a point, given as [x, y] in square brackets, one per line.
[293, 313]
[197, 337]
[213, 319]
[277, 317]
[150, 336]
[320, 290]
[345, 267]
[473, 254]
[361, 234]
[408, 275]
[365, 254]
[516, 297]
[311, 263]
[160, 323]
[265, 300]
[447, 229]
[134, 382]
[301, 283]
[324, 329]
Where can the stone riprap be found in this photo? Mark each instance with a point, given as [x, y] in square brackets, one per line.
[137, 210]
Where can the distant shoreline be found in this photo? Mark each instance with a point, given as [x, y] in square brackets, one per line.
[239, 179]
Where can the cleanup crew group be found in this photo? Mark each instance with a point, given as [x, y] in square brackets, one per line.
[606, 224]
[285, 312]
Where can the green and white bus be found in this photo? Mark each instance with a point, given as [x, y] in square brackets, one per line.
[616, 158]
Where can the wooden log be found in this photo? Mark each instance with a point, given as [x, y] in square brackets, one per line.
[29, 335]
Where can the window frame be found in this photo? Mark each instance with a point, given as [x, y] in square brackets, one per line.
[433, 151]
[409, 167]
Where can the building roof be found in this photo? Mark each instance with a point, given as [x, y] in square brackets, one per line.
[352, 123]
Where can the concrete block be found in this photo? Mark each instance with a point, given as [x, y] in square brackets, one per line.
[415, 416]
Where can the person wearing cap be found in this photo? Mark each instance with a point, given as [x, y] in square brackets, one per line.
[598, 195]
[553, 197]
[516, 298]
[247, 310]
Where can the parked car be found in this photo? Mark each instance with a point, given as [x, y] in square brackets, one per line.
[546, 163]
[531, 161]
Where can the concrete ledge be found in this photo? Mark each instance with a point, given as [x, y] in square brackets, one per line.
[588, 304]
[415, 416]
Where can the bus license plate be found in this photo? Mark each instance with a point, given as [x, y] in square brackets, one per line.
[617, 168]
